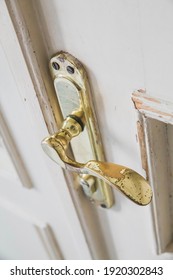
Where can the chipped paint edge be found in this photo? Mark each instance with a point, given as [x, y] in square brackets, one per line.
[152, 107]
[142, 144]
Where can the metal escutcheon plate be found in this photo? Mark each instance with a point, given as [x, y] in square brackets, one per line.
[73, 93]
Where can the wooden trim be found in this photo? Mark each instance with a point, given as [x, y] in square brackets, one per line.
[155, 131]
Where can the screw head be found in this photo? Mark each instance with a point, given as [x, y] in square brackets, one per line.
[103, 205]
[84, 183]
[88, 185]
[55, 65]
[70, 69]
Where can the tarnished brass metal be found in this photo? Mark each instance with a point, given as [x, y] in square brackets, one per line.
[129, 182]
[72, 90]
[73, 93]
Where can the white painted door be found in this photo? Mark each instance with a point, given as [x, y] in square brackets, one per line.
[125, 45]
[38, 219]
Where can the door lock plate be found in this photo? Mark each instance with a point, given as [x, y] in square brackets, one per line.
[73, 93]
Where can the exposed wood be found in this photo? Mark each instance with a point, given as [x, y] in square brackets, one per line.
[141, 138]
[153, 107]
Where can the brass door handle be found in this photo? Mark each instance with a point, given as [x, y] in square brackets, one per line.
[129, 182]
[73, 93]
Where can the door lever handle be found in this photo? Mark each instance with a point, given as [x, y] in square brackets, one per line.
[129, 182]
[73, 93]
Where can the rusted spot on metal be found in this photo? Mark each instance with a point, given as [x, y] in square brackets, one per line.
[141, 137]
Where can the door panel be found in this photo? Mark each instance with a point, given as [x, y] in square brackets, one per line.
[19, 239]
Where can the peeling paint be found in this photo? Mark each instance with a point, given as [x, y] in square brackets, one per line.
[140, 105]
[137, 103]
[142, 93]
[138, 92]
[159, 108]
[141, 137]
[151, 99]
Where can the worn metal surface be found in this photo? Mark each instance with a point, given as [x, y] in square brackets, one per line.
[129, 182]
[73, 93]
